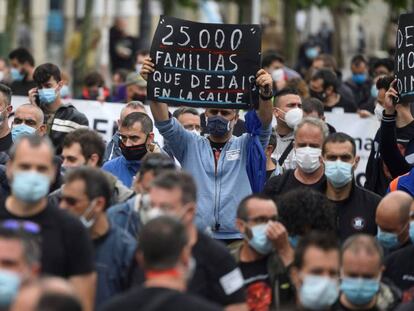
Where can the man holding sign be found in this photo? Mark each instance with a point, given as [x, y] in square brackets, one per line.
[218, 162]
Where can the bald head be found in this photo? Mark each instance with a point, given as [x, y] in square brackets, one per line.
[32, 116]
[32, 110]
[393, 213]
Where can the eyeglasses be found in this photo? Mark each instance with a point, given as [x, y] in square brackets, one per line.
[16, 225]
[263, 219]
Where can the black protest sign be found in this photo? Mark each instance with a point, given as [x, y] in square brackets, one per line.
[205, 65]
[404, 57]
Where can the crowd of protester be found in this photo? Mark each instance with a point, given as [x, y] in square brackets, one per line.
[208, 220]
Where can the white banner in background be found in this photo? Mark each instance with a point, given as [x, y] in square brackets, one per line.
[363, 130]
[102, 117]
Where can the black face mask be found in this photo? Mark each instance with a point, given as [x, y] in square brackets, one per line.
[319, 95]
[133, 153]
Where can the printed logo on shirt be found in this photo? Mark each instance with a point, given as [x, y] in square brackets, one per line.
[358, 223]
[233, 155]
[232, 281]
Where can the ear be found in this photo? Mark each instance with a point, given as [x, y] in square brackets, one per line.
[276, 112]
[35, 270]
[99, 204]
[189, 214]
[240, 225]
[150, 138]
[294, 276]
[60, 84]
[357, 158]
[9, 108]
[93, 160]
[186, 255]
[42, 130]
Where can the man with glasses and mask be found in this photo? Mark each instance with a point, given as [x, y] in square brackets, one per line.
[66, 246]
[288, 113]
[309, 136]
[355, 206]
[165, 253]
[216, 276]
[60, 118]
[136, 140]
[263, 254]
[86, 195]
[217, 162]
[131, 213]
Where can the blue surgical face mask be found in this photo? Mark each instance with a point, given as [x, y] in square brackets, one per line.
[16, 75]
[30, 186]
[218, 126]
[259, 240]
[374, 91]
[338, 173]
[47, 96]
[359, 291]
[294, 240]
[21, 130]
[318, 292]
[64, 91]
[9, 287]
[387, 239]
[412, 231]
[312, 52]
[359, 78]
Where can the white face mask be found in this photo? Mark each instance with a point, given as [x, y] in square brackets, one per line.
[278, 74]
[307, 159]
[378, 111]
[293, 117]
[138, 68]
[195, 132]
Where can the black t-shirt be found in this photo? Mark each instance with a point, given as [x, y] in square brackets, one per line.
[338, 306]
[216, 278]
[257, 284]
[158, 299]
[66, 246]
[399, 268]
[6, 142]
[356, 214]
[281, 184]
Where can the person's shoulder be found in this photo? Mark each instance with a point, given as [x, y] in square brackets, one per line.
[402, 254]
[112, 163]
[125, 301]
[192, 302]
[367, 194]
[210, 247]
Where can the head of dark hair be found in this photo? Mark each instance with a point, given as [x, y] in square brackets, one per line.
[29, 242]
[384, 82]
[157, 163]
[358, 60]
[96, 183]
[328, 61]
[6, 93]
[90, 142]
[22, 55]
[303, 210]
[328, 77]
[35, 141]
[270, 57]
[142, 118]
[321, 240]
[54, 301]
[177, 179]
[312, 104]
[284, 92]
[161, 242]
[44, 72]
[123, 73]
[384, 62]
[339, 137]
[178, 112]
[242, 210]
[94, 79]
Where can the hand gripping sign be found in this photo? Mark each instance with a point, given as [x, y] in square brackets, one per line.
[205, 65]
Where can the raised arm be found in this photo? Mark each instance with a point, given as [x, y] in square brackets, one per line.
[159, 110]
[264, 82]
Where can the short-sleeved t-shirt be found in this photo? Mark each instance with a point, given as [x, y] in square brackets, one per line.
[67, 249]
[158, 299]
[216, 278]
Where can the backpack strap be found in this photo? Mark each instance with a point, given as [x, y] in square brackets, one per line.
[285, 153]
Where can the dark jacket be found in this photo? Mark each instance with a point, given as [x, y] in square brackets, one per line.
[362, 94]
[66, 119]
